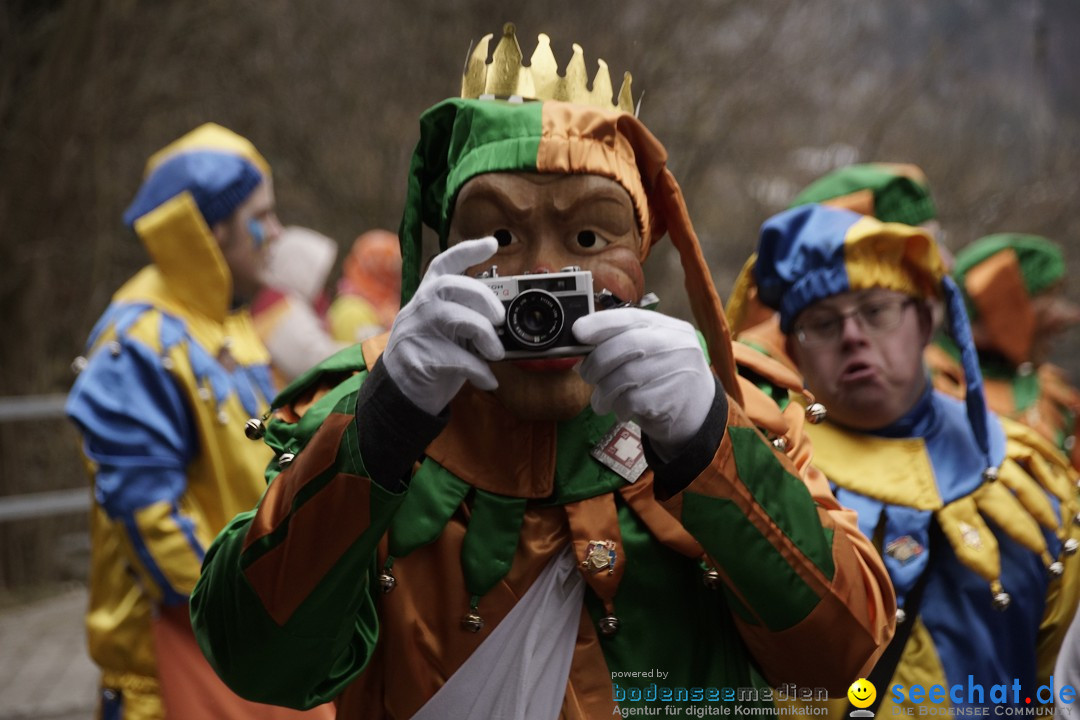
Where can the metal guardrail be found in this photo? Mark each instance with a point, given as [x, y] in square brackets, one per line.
[43, 504]
[32, 407]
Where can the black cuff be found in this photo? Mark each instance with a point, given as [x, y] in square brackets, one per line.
[392, 431]
[671, 478]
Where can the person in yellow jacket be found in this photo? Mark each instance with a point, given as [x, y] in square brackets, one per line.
[369, 292]
[172, 371]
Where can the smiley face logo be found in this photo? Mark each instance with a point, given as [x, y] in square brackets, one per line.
[862, 693]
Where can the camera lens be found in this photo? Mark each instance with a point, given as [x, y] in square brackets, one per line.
[535, 319]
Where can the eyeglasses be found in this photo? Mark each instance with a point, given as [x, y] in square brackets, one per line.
[821, 327]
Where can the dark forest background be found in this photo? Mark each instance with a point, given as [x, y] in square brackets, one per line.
[753, 99]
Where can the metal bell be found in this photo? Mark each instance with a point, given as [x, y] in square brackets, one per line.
[901, 616]
[815, 413]
[167, 363]
[1025, 368]
[1076, 519]
[79, 364]
[388, 582]
[114, 348]
[780, 444]
[1057, 568]
[711, 578]
[223, 418]
[285, 459]
[204, 393]
[254, 428]
[472, 621]
[990, 474]
[609, 625]
[1002, 600]
[1071, 546]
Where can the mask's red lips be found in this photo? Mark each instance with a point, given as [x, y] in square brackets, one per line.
[548, 365]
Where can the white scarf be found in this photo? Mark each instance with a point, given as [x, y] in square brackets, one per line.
[520, 671]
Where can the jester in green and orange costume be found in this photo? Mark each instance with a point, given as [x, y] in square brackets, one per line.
[448, 533]
[1013, 287]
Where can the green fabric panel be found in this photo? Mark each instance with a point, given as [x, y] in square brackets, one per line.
[459, 139]
[669, 620]
[897, 198]
[704, 346]
[761, 575]
[433, 496]
[783, 496]
[578, 475]
[1025, 388]
[491, 540]
[293, 437]
[1042, 264]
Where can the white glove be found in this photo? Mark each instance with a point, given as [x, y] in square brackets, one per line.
[649, 368]
[446, 333]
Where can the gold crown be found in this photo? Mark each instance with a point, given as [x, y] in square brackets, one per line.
[506, 77]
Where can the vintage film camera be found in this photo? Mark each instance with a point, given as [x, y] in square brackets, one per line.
[541, 309]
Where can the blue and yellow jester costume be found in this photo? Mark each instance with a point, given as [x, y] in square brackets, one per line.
[981, 506]
[171, 374]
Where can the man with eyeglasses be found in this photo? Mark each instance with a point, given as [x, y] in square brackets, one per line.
[972, 514]
[890, 192]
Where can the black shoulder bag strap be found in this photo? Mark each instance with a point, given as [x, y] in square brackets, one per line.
[886, 665]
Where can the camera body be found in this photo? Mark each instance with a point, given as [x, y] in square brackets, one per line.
[540, 310]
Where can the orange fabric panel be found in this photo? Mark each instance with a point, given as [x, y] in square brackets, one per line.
[286, 575]
[422, 638]
[519, 455]
[860, 201]
[595, 519]
[996, 288]
[762, 408]
[773, 364]
[314, 460]
[373, 347]
[577, 139]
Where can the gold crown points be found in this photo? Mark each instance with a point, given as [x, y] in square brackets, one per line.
[506, 77]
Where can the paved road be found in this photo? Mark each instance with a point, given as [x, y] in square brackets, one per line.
[45, 673]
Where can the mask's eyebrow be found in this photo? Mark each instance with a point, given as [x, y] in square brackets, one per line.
[499, 201]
